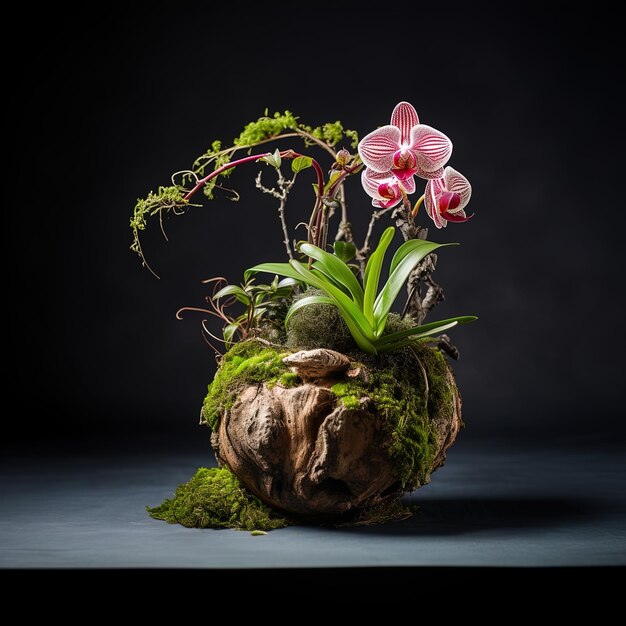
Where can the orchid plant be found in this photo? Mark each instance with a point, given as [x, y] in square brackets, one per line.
[388, 159]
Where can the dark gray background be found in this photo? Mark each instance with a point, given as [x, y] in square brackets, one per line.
[107, 111]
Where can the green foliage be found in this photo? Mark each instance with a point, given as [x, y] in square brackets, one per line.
[330, 133]
[266, 128]
[396, 385]
[301, 163]
[272, 159]
[245, 363]
[171, 198]
[166, 199]
[353, 136]
[265, 305]
[344, 250]
[364, 308]
[214, 498]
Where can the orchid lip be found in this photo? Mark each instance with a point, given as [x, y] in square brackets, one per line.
[457, 219]
[404, 173]
[448, 201]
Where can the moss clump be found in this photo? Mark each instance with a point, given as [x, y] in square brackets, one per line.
[395, 382]
[247, 362]
[318, 326]
[214, 498]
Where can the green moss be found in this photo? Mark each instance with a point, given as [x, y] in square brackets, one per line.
[214, 498]
[289, 379]
[318, 326]
[247, 362]
[396, 385]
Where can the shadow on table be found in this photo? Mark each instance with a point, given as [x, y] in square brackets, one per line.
[459, 516]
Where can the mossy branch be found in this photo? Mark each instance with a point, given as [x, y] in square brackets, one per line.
[176, 198]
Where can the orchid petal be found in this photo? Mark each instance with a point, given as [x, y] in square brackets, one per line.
[457, 218]
[457, 183]
[372, 180]
[431, 147]
[408, 185]
[404, 116]
[433, 188]
[438, 173]
[377, 148]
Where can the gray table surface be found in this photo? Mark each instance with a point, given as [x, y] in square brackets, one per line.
[488, 506]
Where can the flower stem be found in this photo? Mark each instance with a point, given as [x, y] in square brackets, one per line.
[417, 206]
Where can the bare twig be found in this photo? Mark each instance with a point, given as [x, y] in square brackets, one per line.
[284, 187]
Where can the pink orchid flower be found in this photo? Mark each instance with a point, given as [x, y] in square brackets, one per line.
[385, 189]
[446, 197]
[406, 147]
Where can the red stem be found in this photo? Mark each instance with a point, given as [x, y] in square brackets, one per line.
[285, 154]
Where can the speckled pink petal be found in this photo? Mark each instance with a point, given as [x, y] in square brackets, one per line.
[408, 185]
[404, 116]
[432, 147]
[372, 180]
[438, 173]
[457, 183]
[377, 148]
[433, 188]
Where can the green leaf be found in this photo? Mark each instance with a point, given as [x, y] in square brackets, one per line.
[371, 275]
[287, 282]
[331, 179]
[336, 270]
[344, 250]
[233, 290]
[306, 301]
[407, 247]
[282, 269]
[228, 332]
[272, 159]
[410, 255]
[301, 163]
[359, 327]
[389, 342]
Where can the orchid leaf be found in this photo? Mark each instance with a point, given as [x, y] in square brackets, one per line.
[371, 276]
[417, 332]
[410, 257]
[233, 290]
[335, 269]
[344, 250]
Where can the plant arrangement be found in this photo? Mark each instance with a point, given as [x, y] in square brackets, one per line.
[327, 406]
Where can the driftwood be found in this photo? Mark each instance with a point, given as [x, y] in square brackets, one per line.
[300, 450]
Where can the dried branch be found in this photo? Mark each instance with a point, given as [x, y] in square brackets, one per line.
[445, 346]
[284, 187]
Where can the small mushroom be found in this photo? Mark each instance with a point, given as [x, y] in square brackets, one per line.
[319, 363]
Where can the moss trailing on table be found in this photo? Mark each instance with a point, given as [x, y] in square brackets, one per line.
[396, 384]
[214, 498]
[247, 362]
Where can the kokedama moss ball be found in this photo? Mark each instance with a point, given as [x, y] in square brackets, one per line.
[335, 444]
[318, 326]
